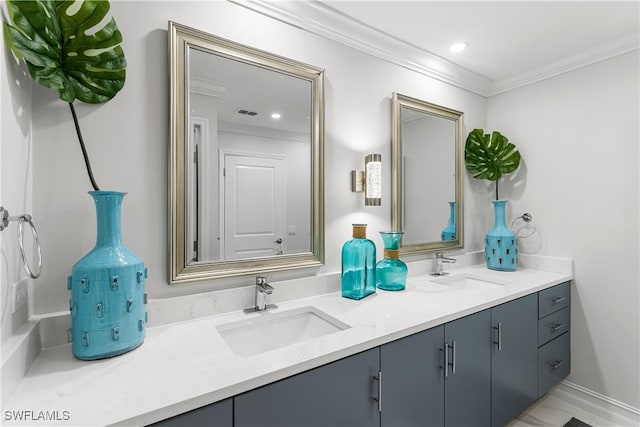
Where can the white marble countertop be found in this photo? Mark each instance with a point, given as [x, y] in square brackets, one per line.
[185, 365]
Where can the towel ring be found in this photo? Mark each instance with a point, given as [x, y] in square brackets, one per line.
[4, 223]
[528, 223]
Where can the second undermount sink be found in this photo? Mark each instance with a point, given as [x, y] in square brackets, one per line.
[469, 282]
[269, 331]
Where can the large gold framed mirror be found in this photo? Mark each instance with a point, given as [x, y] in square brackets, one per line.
[427, 179]
[246, 192]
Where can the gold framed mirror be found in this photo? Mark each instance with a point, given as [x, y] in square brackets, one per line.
[427, 175]
[246, 192]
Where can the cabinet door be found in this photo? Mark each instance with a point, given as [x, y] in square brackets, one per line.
[337, 394]
[413, 380]
[215, 415]
[468, 381]
[514, 361]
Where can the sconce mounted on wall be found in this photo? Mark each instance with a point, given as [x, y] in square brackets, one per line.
[369, 180]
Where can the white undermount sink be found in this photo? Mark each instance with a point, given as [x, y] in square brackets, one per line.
[268, 331]
[469, 282]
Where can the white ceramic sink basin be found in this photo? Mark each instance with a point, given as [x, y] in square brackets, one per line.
[269, 331]
[469, 282]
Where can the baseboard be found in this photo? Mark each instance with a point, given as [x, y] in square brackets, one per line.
[18, 354]
[621, 414]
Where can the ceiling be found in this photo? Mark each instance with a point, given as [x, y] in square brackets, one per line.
[510, 43]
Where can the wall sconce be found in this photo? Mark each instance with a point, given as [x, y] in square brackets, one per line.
[369, 180]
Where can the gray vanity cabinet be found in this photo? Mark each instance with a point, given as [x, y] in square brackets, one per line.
[467, 400]
[514, 361]
[480, 370]
[337, 394]
[219, 414]
[413, 380]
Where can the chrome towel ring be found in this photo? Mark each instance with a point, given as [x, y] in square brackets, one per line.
[5, 218]
[527, 224]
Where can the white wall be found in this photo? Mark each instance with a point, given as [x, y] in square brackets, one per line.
[578, 135]
[127, 140]
[15, 180]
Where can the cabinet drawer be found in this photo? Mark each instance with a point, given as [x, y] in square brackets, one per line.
[554, 325]
[554, 299]
[554, 363]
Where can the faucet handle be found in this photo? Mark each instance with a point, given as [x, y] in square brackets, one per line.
[261, 280]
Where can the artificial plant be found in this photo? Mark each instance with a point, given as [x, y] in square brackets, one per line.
[67, 49]
[490, 156]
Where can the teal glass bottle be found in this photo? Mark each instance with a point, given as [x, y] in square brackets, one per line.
[107, 289]
[358, 265]
[391, 272]
[449, 232]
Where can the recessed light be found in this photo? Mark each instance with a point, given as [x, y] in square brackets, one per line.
[457, 47]
[275, 116]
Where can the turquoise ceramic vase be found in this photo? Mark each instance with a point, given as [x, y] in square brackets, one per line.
[358, 265]
[501, 244]
[107, 289]
[391, 272]
[449, 233]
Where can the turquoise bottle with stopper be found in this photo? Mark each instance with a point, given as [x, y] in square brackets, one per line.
[358, 265]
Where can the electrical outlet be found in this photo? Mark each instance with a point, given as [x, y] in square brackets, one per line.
[19, 295]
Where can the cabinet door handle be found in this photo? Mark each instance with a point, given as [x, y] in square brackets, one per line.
[557, 300]
[499, 329]
[379, 397]
[557, 364]
[446, 360]
[453, 357]
[557, 326]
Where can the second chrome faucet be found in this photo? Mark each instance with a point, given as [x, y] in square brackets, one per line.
[438, 264]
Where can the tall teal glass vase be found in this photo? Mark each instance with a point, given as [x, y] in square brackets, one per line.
[107, 289]
[449, 232]
[358, 265]
[501, 244]
[391, 272]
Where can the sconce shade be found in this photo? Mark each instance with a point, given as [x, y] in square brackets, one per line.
[373, 180]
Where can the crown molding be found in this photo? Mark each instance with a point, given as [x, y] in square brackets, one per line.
[322, 20]
[206, 87]
[596, 54]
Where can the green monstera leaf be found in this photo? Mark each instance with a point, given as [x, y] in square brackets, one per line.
[65, 51]
[490, 156]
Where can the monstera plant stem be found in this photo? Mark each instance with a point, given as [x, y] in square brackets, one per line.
[84, 150]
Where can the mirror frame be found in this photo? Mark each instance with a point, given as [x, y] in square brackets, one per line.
[181, 39]
[398, 102]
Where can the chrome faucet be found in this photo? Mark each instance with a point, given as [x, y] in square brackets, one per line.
[438, 264]
[262, 290]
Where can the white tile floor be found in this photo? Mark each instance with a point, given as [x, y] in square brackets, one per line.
[553, 412]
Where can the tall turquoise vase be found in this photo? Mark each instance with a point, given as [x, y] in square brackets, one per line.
[501, 244]
[449, 232]
[391, 271]
[358, 265]
[107, 289]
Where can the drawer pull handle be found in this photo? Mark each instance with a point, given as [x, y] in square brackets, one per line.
[557, 326]
[558, 300]
[557, 364]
